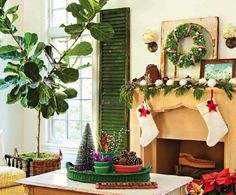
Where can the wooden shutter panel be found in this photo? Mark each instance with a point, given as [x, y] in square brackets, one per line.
[114, 72]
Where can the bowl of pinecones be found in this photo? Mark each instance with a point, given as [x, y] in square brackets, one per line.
[127, 162]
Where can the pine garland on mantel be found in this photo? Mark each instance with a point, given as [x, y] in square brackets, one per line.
[179, 87]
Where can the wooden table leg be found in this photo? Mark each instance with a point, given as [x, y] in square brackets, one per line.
[28, 190]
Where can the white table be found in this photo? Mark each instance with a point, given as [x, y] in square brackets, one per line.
[56, 183]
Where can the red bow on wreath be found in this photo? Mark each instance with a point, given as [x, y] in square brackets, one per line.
[214, 180]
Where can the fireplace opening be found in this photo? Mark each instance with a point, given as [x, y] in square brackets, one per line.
[168, 152]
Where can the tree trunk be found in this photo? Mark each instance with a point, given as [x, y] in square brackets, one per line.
[38, 134]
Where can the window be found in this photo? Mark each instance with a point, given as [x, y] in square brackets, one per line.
[67, 128]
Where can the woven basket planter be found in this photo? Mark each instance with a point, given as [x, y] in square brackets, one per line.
[38, 167]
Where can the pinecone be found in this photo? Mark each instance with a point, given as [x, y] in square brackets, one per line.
[138, 161]
[122, 161]
[132, 160]
[132, 153]
[125, 154]
[115, 160]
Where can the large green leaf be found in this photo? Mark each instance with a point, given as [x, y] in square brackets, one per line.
[3, 28]
[82, 49]
[68, 75]
[74, 29]
[30, 39]
[47, 111]
[13, 55]
[20, 40]
[103, 2]
[12, 10]
[23, 79]
[101, 31]
[31, 70]
[14, 17]
[2, 3]
[78, 12]
[24, 101]
[14, 95]
[88, 5]
[44, 95]
[48, 51]
[61, 104]
[32, 98]
[40, 47]
[7, 49]
[71, 93]
[12, 68]
[11, 78]
[8, 81]
[66, 59]
[39, 62]
[4, 84]
[97, 7]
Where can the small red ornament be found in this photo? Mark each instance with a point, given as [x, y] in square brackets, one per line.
[143, 111]
[210, 103]
[165, 79]
[212, 106]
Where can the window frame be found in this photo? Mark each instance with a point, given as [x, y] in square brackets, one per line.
[56, 32]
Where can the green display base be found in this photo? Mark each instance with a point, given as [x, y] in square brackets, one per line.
[92, 177]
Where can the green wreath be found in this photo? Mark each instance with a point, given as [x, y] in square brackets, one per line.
[197, 52]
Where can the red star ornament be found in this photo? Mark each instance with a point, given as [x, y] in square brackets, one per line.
[212, 106]
[143, 111]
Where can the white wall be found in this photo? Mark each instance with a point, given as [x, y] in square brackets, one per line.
[11, 116]
[149, 14]
[145, 15]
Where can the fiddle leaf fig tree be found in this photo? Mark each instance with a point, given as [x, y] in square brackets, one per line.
[37, 79]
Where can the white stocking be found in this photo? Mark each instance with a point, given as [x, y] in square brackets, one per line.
[148, 126]
[215, 123]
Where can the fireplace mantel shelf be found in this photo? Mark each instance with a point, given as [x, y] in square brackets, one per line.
[178, 118]
[161, 103]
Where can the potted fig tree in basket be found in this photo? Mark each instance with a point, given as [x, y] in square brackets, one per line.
[38, 80]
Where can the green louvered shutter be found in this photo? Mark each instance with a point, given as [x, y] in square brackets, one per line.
[114, 72]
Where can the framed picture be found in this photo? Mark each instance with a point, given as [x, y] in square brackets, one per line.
[218, 69]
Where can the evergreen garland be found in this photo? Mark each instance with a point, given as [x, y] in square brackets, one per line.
[198, 91]
[127, 90]
[84, 159]
[197, 52]
[126, 94]
[227, 88]
[149, 91]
